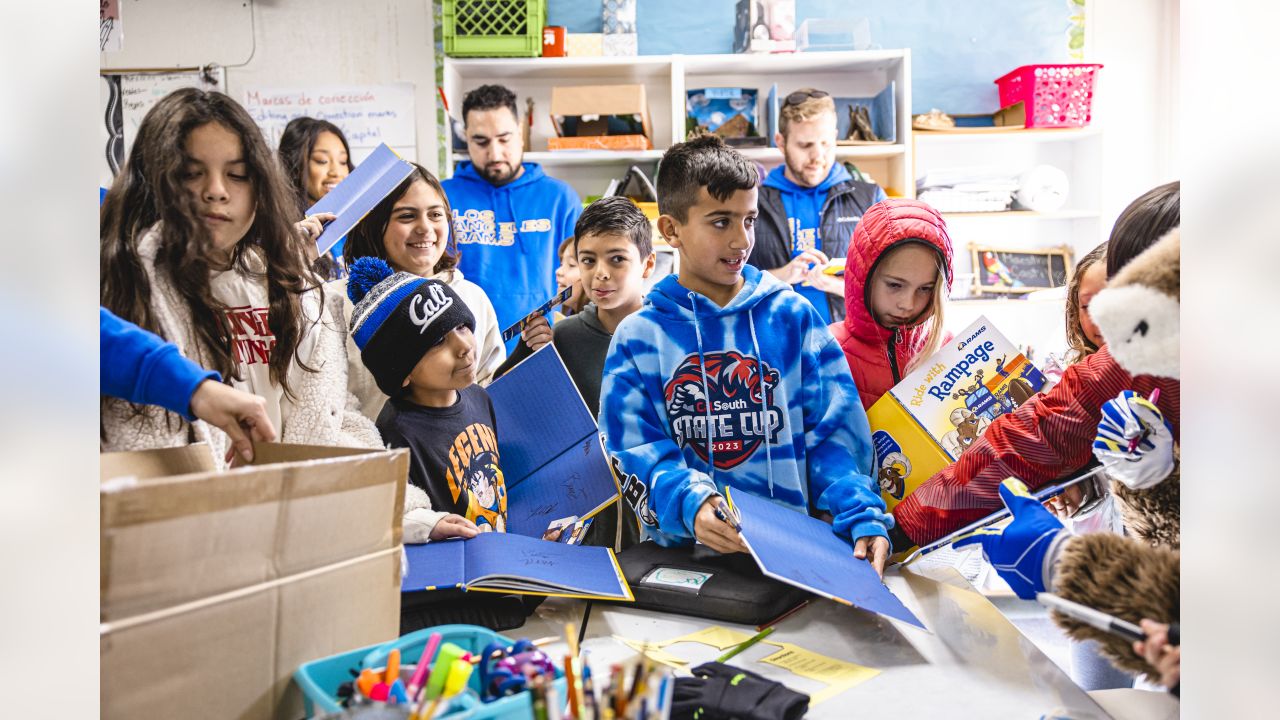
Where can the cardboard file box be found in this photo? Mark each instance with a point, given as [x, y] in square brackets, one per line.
[590, 116]
[217, 586]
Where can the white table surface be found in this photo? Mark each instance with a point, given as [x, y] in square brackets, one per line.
[973, 664]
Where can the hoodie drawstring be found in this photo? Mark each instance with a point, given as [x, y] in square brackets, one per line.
[764, 407]
[706, 392]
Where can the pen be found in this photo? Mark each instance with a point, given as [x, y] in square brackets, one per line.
[1000, 514]
[726, 515]
[1092, 618]
[1133, 443]
[393, 667]
[786, 614]
[746, 644]
[424, 665]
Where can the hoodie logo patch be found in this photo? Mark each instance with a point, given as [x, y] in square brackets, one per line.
[479, 228]
[729, 412]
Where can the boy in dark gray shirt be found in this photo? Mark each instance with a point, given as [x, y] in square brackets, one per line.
[613, 241]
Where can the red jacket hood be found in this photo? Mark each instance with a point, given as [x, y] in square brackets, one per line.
[864, 341]
[884, 225]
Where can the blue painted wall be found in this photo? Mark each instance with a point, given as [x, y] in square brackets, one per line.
[958, 47]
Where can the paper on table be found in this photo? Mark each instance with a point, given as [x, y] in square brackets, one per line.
[803, 551]
[837, 675]
[720, 638]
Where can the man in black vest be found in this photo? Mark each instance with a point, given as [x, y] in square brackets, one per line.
[810, 204]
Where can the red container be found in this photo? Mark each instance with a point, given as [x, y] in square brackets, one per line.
[552, 41]
[1054, 95]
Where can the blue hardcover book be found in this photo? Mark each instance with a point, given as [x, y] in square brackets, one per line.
[553, 460]
[802, 551]
[507, 563]
[358, 193]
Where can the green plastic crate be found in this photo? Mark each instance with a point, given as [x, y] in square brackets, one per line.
[494, 28]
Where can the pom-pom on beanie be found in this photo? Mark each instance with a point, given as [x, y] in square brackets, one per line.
[398, 317]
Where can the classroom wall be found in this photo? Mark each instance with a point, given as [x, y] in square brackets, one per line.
[335, 42]
[958, 47]
[1138, 43]
[316, 42]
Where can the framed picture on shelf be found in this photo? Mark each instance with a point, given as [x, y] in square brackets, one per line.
[1008, 271]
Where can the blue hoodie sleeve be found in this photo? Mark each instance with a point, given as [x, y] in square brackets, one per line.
[141, 367]
[838, 438]
[634, 422]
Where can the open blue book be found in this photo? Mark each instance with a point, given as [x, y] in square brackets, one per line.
[553, 460]
[503, 562]
[358, 193]
[802, 551]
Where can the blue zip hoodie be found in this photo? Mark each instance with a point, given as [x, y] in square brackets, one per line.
[683, 371]
[141, 367]
[508, 236]
[804, 215]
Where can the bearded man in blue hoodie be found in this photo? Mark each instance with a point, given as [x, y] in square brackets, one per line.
[810, 204]
[509, 218]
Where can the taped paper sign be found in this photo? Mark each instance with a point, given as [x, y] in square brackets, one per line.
[369, 115]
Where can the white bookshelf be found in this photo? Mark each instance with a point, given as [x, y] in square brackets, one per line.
[667, 77]
[1076, 151]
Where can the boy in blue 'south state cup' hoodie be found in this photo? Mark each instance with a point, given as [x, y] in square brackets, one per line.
[754, 394]
[508, 235]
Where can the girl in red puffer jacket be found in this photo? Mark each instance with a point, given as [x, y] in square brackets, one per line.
[895, 279]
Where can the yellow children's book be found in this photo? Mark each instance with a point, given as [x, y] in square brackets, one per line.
[935, 413]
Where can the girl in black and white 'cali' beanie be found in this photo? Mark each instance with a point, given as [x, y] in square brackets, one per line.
[398, 317]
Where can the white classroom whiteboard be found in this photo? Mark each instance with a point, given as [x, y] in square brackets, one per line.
[369, 115]
[124, 100]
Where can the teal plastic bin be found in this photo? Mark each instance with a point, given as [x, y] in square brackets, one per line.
[319, 679]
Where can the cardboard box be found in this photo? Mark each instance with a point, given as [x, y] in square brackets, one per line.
[584, 44]
[600, 142]
[216, 586]
[601, 110]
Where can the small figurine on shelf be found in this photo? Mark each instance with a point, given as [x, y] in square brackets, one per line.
[860, 124]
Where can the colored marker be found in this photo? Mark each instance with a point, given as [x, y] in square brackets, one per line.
[366, 681]
[802, 605]
[393, 667]
[424, 664]
[1133, 443]
[1092, 618]
[727, 515]
[996, 516]
[744, 645]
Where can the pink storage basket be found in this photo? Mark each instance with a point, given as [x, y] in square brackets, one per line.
[1054, 95]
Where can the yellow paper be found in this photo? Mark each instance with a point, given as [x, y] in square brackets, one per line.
[720, 638]
[654, 652]
[837, 675]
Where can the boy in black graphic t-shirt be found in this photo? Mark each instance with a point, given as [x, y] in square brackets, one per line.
[415, 336]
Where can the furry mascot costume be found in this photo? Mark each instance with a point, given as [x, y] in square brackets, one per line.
[1130, 577]
[1133, 578]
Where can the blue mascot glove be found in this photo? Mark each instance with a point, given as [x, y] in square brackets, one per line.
[1131, 416]
[1018, 550]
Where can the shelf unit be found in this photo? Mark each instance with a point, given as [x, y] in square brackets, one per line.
[666, 79]
[1077, 152]
[1079, 224]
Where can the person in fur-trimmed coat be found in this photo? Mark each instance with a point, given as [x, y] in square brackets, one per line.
[1133, 578]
